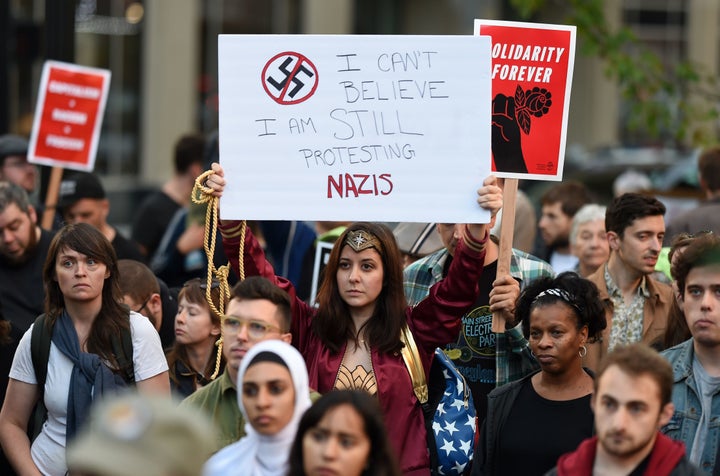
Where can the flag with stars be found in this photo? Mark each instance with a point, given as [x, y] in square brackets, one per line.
[454, 422]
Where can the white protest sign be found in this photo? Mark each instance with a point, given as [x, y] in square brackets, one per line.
[373, 128]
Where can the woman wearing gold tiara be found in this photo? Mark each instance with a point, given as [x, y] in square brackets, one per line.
[352, 339]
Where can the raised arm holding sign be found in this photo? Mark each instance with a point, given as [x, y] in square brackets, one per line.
[352, 339]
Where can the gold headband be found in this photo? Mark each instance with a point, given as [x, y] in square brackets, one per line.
[361, 240]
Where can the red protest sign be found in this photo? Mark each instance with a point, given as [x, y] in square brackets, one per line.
[68, 115]
[532, 67]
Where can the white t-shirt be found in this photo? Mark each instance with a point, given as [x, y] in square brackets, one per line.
[48, 449]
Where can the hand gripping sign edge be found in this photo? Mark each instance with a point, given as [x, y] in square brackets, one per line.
[290, 78]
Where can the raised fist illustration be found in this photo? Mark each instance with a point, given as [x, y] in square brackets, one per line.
[506, 143]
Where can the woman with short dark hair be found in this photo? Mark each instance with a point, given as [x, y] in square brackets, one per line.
[534, 420]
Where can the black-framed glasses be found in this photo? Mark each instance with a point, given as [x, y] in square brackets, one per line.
[143, 305]
[255, 329]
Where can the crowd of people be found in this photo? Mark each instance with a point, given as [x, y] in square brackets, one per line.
[121, 355]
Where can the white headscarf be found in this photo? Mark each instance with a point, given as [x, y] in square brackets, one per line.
[264, 455]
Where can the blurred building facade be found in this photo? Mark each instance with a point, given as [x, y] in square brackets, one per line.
[163, 58]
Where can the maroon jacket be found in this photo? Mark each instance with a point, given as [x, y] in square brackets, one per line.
[667, 459]
[434, 322]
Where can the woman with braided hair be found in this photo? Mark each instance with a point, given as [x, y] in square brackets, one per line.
[532, 421]
[352, 340]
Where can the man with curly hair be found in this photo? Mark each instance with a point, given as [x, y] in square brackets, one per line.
[696, 362]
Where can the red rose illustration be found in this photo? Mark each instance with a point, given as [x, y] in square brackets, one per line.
[534, 102]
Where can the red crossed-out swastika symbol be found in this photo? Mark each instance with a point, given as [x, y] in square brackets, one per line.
[289, 78]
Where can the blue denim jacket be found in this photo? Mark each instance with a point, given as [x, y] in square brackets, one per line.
[686, 418]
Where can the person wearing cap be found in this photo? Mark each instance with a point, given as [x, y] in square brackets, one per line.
[416, 240]
[485, 358]
[82, 199]
[23, 247]
[134, 435]
[14, 166]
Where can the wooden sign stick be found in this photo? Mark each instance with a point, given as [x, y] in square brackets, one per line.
[507, 228]
[51, 198]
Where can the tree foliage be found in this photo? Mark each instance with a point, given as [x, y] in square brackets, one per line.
[676, 103]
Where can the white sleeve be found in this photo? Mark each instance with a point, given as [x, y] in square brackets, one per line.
[148, 356]
[22, 367]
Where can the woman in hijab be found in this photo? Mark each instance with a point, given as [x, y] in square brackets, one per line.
[273, 395]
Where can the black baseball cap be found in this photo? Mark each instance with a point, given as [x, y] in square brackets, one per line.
[78, 186]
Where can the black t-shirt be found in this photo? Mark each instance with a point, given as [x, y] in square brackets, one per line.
[126, 249]
[538, 431]
[474, 352]
[152, 219]
[21, 286]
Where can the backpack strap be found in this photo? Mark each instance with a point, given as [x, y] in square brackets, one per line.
[411, 356]
[40, 340]
[40, 349]
[123, 351]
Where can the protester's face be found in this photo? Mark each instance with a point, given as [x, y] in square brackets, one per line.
[16, 169]
[150, 308]
[628, 413]
[268, 396]
[450, 233]
[337, 445]
[80, 277]
[591, 244]
[251, 313]
[554, 337]
[701, 304]
[554, 225]
[640, 245]
[360, 279]
[18, 234]
[193, 323]
[87, 210]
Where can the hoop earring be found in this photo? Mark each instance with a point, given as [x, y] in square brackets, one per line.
[582, 352]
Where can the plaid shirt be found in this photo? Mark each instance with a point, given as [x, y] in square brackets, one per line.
[513, 358]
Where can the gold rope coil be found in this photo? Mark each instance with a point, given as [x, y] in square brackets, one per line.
[203, 194]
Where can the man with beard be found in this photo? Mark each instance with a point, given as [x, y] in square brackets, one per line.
[696, 362]
[558, 207]
[631, 402]
[637, 305]
[23, 248]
